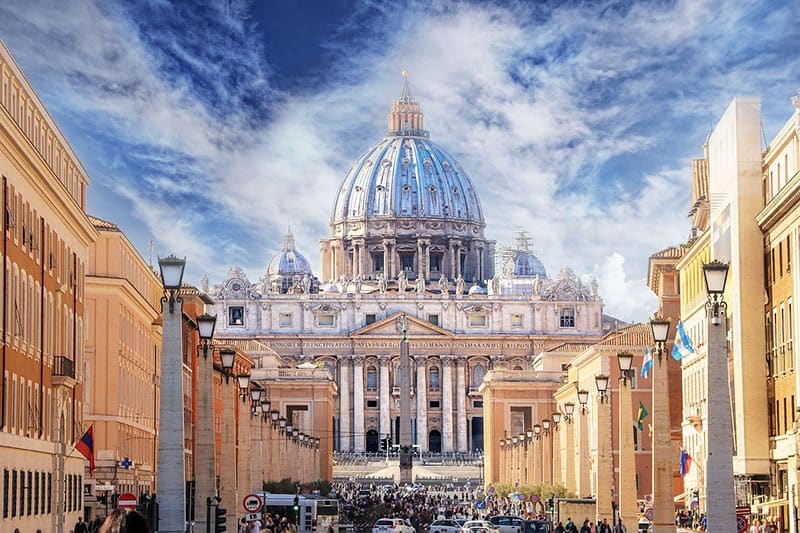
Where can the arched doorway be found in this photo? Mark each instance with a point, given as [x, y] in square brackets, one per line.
[435, 441]
[477, 434]
[372, 440]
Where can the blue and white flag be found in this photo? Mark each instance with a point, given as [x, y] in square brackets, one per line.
[647, 364]
[683, 344]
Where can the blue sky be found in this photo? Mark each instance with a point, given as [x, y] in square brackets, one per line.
[209, 127]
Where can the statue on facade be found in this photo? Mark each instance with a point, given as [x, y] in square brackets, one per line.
[494, 284]
[402, 282]
[444, 285]
[537, 285]
[358, 281]
[595, 292]
[306, 284]
[421, 284]
[459, 285]
[204, 283]
[382, 283]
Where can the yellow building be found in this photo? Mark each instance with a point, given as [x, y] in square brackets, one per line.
[46, 239]
[779, 220]
[123, 350]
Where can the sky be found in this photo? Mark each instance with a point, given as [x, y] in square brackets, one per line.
[209, 128]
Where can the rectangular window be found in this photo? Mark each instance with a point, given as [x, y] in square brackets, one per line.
[5, 492]
[372, 404]
[29, 490]
[436, 262]
[236, 316]
[49, 492]
[370, 318]
[516, 321]
[13, 493]
[477, 404]
[433, 319]
[377, 262]
[285, 320]
[36, 493]
[434, 404]
[635, 438]
[407, 262]
[567, 317]
[477, 321]
[325, 319]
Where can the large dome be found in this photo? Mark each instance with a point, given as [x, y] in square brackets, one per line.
[406, 175]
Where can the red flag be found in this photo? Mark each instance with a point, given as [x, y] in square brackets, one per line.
[86, 447]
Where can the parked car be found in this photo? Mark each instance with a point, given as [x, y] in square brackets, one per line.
[644, 525]
[392, 525]
[444, 526]
[508, 524]
[479, 526]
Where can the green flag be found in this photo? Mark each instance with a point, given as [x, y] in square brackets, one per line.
[641, 416]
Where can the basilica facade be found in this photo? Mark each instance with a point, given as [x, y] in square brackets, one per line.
[406, 238]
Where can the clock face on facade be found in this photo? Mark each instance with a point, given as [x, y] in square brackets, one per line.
[236, 286]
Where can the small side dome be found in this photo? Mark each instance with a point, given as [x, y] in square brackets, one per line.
[289, 261]
[476, 289]
[330, 288]
[524, 264]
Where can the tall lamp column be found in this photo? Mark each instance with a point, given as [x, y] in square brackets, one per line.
[628, 510]
[605, 465]
[205, 471]
[171, 461]
[663, 460]
[720, 492]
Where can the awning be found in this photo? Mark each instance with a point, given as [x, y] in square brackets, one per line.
[773, 503]
[682, 496]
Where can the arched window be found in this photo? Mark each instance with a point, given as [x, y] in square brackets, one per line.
[372, 378]
[517, 367]
[433, 378]
[478, 371]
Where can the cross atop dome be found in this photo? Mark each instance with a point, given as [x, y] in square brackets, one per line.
[406, 118]
[288, 241]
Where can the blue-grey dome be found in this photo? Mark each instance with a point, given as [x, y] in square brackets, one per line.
[524, 264]
[289, 262]
[407, 177]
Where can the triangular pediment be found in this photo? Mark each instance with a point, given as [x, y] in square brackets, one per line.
[388, 327]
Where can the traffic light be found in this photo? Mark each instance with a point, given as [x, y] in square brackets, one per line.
[549, 505]
[296, 503]
[220, 519]
[384, 444]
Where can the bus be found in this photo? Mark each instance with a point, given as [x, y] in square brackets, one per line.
[315, 513]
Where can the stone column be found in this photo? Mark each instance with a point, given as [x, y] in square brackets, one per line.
[501, 463]
[452, 261]
[422, 404]
[720, 494]
[171, 470]
[345, 431]
[387, 260]
[359, 436]
[227, 460]
[461, 408]
[556, 446]
[255, 457]
[427, 245]
[529, 461]
[479, 274]
[537, 459]
[204, 471]
[662, 457]
[584, 470]
[569, 459]
[385, 394]
[604, 464]
[447, 404]
[458, 259]
[626, 499]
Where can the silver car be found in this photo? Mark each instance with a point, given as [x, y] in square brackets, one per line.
[444, 526]
[479, 526]
[392, 525]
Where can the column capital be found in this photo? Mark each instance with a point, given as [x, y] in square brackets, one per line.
[358, 360]
[384, 358]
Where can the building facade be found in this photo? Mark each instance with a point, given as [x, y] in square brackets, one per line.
[123, 355]
[46, 238]
[407, 238]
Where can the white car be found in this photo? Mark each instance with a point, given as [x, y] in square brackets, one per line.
[479, 526]
[392, 525]
[444, 526]
[508, 524]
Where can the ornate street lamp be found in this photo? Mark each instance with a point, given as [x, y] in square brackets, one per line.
[275, 419]
[205, 329]
[625, 362]
[556, 416]
[569, 411]
[546, 426]
[171, 277]
[660, 330]
[537, 431]
[601, 382]
[583, 399]
[715, 275]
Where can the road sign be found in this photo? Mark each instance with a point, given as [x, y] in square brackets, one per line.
[648, 513]
[126, 501]
[741, 524]
[252, 517]
[695, 505]
[252, 503]
[534, 498]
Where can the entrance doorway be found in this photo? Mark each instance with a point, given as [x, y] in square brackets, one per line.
[372, 441]
[435, 441]
[477, 434]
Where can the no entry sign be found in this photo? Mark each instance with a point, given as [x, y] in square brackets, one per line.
[252, 503]
[126, 501]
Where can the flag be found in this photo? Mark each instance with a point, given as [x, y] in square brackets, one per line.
[647, 365]
[641, 416]
[86, 447]
[686, 462]
[683, 344]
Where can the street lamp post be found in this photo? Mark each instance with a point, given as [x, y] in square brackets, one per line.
[555, 447]
[603, 488]
[583, 478]
[663, 520]
[205, 474]
[549, 453]
[569, 463]
[626, 504]
[171, 460]
[721, 513]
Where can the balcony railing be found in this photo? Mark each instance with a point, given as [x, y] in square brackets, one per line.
[63, 371]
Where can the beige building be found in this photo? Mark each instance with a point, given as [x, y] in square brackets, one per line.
[779, 221]
[46, 238]
[123, 351]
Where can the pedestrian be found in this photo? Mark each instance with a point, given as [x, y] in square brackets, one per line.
[80, 527]
[620, 527]
[586, 528]
[560, 528]
[122, 521]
